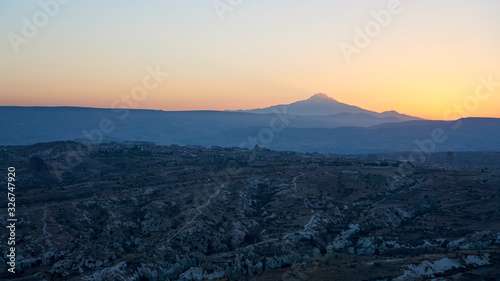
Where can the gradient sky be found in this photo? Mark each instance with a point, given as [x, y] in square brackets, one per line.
[428, 59]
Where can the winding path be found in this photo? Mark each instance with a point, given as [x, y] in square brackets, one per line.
[307, 226]
[314, 214]
[199, 213]
[47, 234]
[295, 186]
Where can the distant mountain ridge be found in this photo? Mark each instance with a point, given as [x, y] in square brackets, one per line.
[338, 133]
[322, 105]
[28, 125]
[473, 134]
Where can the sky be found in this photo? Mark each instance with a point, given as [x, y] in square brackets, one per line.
[431, 59]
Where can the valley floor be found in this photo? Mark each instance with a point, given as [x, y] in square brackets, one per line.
[132, 212]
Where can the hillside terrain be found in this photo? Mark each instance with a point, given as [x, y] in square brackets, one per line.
[145, 212]
[339, 133]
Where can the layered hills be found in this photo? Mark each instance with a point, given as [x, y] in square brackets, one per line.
[319, 123]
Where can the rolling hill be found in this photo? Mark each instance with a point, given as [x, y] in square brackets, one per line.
[339, 133]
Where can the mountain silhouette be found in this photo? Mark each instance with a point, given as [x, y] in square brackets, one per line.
[322, 105]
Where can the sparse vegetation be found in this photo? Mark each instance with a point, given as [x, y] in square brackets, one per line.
[135, 209]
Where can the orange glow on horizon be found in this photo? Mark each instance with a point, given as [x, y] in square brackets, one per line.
[257, 57]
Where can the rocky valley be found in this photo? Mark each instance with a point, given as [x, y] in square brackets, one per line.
[138, 211]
